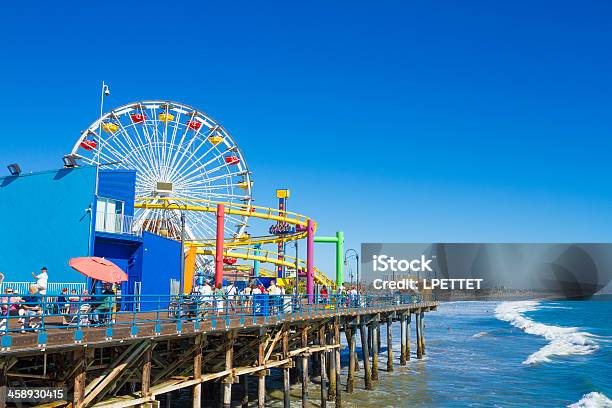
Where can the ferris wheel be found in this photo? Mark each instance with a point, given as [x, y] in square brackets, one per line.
[178, 153]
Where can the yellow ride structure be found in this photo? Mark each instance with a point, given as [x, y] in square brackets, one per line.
[243, 245]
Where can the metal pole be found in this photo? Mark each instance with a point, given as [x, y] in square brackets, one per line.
[100, 124]
[310, 261]
[357, 260]
[102, 100]
[339, 260]
[182, 252]
[219, 245]
[297, 277]
[256, 262]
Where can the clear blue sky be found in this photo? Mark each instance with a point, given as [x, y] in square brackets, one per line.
[390, 120]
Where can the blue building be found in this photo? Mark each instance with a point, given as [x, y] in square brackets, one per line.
[50, 217]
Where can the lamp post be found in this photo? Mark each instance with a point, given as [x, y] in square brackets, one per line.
[182, 271]
[355, 255]
[297, 274]
[104, 92]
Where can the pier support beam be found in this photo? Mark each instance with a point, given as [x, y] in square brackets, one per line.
[331, 363]
[261, 384]
[365, 351]
[422, 333]
[389, 345]
[197, 372]
[227, 382]
[350, 378]
[417, 326]
[338, 364]
[322, 368]
[374, 329]
[305, 368]
[146, 373]
[402, 339]
[80, 357]
[286, 385]
[408, 318]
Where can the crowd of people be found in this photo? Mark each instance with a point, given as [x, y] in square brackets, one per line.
[255, 296]
[28, 309]
[229, 298]
[85, 308]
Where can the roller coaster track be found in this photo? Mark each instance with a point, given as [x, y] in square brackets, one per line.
[242, 247]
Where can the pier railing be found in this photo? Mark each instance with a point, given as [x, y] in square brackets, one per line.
[37, 314]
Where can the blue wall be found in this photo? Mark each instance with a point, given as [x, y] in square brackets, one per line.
[46, 220]
[123, 252]
[161, 261]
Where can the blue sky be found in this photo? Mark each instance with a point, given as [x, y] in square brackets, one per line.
[393, 121]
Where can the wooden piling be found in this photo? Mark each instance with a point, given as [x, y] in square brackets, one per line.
[355, 356]
[374, 326]
[365, 352]
[197, 372]
[402, 340]
[408, 337]
[417, 326]
[338, 363]
[422, 333]
[146, 373]
[227, 385]
[322, 368]
[350, 378]
[80, 379]
[378, 336]
[331, 364]
[261, 384]
[305, 368]
[389, 345]
[286, 385]
[370, 345]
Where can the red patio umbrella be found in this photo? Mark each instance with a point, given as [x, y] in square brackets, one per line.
[98, 268]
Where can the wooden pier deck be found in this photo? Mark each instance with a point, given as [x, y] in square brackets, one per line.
[148, 365]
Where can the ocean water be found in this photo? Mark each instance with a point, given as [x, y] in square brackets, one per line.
[501, 354]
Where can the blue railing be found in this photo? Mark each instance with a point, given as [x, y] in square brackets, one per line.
[44, 314]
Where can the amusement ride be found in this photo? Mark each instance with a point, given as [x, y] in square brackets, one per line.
[193, 184]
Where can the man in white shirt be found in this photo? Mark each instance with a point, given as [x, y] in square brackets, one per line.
[41, 280]
[353, 296]
[206, 293]
[273, 289]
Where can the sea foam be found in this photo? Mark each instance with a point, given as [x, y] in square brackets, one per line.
[592, 400]
[563, 341]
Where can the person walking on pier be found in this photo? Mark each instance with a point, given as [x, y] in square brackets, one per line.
[230, 293]
[353, 296]
[274, 293]
[218, 296]
[324, 295]
[205, 293]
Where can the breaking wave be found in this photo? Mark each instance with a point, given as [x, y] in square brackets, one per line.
[592, 400]
[563, 341]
